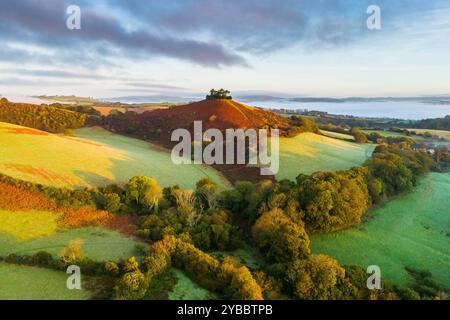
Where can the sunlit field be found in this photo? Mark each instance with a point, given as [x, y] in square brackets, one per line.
[410, 231]
[99, 243]
[309, 152]
[27, 225]
[337, 135]
[93, 157]
[386, 133]
[32, 283]
[440, 133]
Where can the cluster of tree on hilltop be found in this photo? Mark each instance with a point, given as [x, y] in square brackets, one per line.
[219, 94]
[41, 117]
[278, 218]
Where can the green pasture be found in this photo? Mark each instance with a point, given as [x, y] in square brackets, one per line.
[308, 153]
[337, 135]
[386, 133]
[31, 283]
[410, 231]
[98, 243]
[92, 157]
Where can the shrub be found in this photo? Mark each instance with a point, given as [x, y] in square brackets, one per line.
[73, 252]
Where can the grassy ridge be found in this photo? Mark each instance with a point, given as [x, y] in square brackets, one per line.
[309, 152]
[94, 158]
[410, 231]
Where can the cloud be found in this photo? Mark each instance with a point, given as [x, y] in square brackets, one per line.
[129, 83]
[43, 23]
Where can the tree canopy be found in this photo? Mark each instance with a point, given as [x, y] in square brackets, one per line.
[219, 94]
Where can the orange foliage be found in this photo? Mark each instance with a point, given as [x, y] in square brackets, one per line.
[84, 217]
[14, 198]
[126, 225]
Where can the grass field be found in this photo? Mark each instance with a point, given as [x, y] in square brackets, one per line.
[308, 153]
[174, 284]
[98, 243]
[337, 135]
[245, 255]
[386, 133]
[93, 157]
[185, 289]
[27, 225]
[440, 133]
[410, 231]
[31, 283]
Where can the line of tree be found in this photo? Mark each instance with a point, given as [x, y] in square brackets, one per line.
[86, 109]
[226, 277]
[41, 117]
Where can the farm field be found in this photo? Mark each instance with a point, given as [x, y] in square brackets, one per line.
[94, 157]
[386, 133]
[309, 152]
[441, 133]
[410, 231]
[31, 283]
[337, 135]
[98, 243]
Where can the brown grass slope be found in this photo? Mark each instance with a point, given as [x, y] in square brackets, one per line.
[219, 114]
[158, 125]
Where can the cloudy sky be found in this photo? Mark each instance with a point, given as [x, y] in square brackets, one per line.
[177, 47]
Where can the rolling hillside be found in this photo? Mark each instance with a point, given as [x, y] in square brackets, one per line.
[220, 114]
[93, 157]
[309, 152]
[41, 117]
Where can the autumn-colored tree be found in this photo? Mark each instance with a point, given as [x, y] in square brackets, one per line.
[112, 202]
[144, 191]
[359, 135]
[332, 201]
[239, 281]
[73, 252]
[316, 278]
[130, 265]
[111, 268]
[279, 237]
[131, 286]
